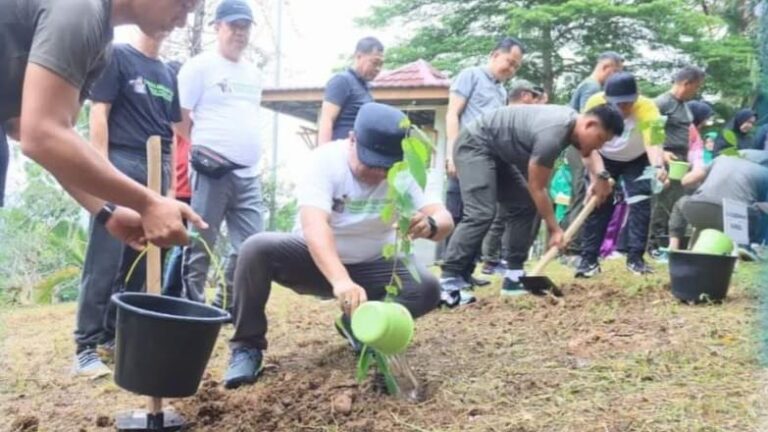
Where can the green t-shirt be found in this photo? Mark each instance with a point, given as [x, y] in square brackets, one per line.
[68, 37]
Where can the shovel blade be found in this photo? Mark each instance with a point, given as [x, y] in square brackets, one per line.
[539, 285]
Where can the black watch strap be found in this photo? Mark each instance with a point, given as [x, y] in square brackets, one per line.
[432, 226]
[105, 213]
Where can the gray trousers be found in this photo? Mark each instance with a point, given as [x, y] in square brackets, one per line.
[285, 259]
[233, 199]
[486, 181]
[509, 228]
[578, 194]
[104, 258]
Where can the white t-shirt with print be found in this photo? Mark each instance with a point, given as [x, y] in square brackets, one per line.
[224, 98]
[627, 147]
[328, 184]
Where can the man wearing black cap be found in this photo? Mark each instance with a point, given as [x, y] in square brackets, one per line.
[525, 141]
[51, 51]
[625, 157]
[222, 91]
[335, 250]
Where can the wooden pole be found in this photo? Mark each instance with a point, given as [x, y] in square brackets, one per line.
[154, 182]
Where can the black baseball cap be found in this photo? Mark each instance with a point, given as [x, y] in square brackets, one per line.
[620, 88]
[233, 10]
[379, 135]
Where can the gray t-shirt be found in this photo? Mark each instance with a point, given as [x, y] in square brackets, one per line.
[523, 133]
[68, 37]
[733, 178]
[482, 92]
[583, 92]
[679, 119]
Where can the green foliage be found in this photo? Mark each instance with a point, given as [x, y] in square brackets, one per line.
[287, 205]
[657, 130]
[564, 37]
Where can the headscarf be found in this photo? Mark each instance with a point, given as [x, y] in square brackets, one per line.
[743, 141]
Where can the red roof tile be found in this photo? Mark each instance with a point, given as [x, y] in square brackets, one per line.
[416, 74]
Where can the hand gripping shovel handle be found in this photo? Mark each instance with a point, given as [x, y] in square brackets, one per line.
[567, 237]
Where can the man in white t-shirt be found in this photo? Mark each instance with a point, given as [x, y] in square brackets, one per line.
[220, 94]
[335, 250]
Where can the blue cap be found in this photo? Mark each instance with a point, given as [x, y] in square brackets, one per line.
[620, 88]
[379, 135]
[233, 10]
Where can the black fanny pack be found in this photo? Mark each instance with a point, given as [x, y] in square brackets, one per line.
[210, 163]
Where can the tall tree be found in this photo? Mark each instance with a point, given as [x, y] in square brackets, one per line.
[564, 36]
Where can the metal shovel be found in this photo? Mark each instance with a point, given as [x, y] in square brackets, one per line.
[540, 285]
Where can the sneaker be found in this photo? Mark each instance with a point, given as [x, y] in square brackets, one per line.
[344, 327]
[587, 270]
[479, 282]
[489, 267]
[89, 365]
[660, 255]
[244, 367]
[511, 288]
[638, 267]
[107, 351]
[452, 299]
[454, 283]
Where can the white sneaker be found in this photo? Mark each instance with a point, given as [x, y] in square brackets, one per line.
[88, 364]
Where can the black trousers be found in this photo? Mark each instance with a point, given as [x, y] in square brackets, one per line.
[595, 227]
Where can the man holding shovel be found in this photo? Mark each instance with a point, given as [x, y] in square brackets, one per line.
[51, 51]
[526, 140]
[336, 248]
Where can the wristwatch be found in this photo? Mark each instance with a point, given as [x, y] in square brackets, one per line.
[432, 226]
[105, 213]
[604, 175]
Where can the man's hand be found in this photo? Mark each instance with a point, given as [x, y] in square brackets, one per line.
[350, 295]
[163, 222]
[450, 168]
[669, 157]
[419, 226]
[125, 225]
[661, 174]
[601, 189]
[557, 238]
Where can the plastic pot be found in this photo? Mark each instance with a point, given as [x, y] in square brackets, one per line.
[386, 327]
[699, 277]
[678, 169]
[163, 344]
[712, 241]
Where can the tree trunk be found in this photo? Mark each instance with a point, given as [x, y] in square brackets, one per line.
[196, 31]
[547, 51]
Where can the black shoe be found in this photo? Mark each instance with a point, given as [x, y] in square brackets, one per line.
[639, 267]
[587, 270]
[479, 282]
[489, 267]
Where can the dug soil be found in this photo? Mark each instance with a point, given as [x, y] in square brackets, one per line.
[618, 353]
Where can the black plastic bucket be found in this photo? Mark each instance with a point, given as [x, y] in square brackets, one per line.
[700, 277]
[163, 344]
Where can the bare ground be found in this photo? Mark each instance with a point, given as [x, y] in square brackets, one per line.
[619, 354]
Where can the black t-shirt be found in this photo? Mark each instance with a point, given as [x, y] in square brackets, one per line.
[68, 37]
[144, 99]
[349, 92]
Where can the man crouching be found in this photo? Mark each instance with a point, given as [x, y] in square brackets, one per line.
[335, 250]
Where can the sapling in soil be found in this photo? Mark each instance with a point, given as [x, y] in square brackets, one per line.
[417, 149]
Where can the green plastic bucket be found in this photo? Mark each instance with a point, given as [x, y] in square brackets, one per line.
[677, 170]
[386, 327]
[713, 242]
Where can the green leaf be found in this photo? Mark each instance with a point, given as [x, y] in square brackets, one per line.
[730, 137]
[388, 251]
[412, 269]
[388, 212]
[405, 246]
[405, 123]
[730, 151]
[421, 136]
[416, 165]
[392, 291]
[383, 364]
[403, 225]
[363, 364]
